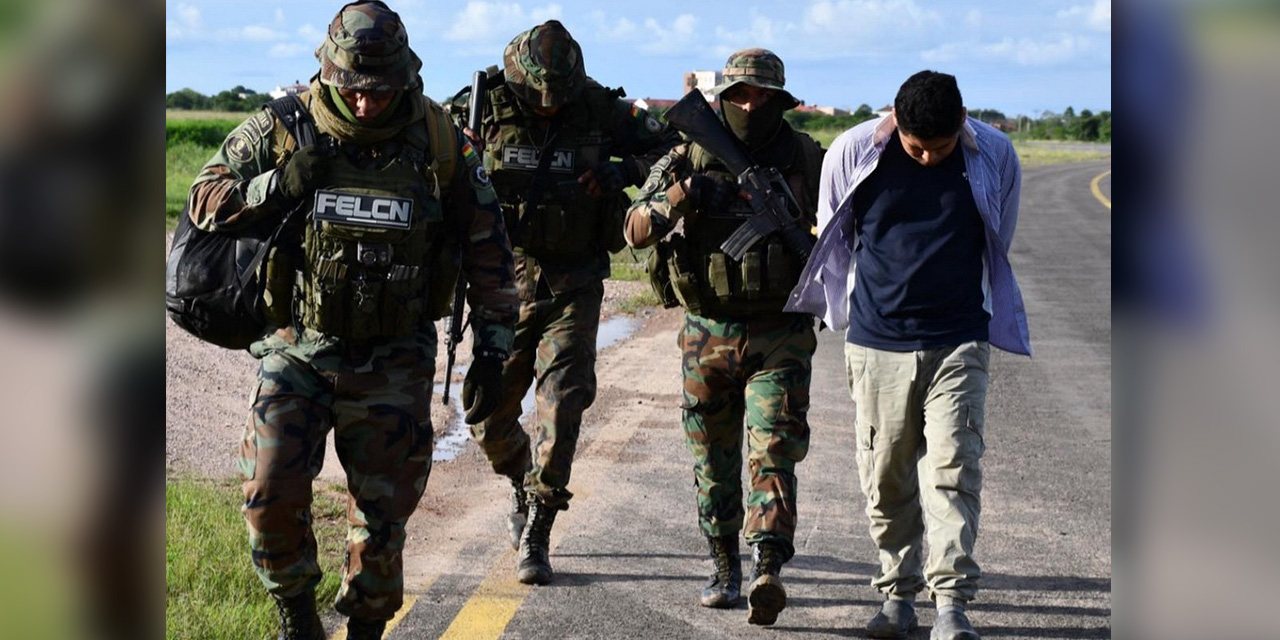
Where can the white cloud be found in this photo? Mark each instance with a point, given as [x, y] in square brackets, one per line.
[679, 37]
[761, 32]
[973, 18]
[189, 15]
[1022, 51]
[310, 33]
[621, 30]
[290, 50]
[185, 25]
[867, 16]
[481, 24]
[1097, 16]
[258, 33]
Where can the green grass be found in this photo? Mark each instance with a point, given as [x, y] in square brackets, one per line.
[1030, 155]
[209, 133]
[197, 114]
[629, 264]
[182, 163]
[646, 299]
[1036, 155]
[211, 590]
[825, 136]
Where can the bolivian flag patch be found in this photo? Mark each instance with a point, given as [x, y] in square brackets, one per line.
[469, 154]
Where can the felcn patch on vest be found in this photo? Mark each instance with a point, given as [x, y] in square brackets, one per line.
[361, 210]
[516, 156]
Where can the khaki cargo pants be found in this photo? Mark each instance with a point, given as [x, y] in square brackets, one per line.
[919, 426]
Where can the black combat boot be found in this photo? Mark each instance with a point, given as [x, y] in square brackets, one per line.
[359, 629]
[519, 514]
[533, 566]
[298, 617]
[723, 588]
[766, 597]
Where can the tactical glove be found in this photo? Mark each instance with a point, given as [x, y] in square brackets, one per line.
[303, 173]
[482, 388]
[700, 193]
[616, 176]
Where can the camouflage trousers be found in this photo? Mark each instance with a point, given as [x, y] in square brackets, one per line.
[555, 344]
[761, 368]
[375, 397]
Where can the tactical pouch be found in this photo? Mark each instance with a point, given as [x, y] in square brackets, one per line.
[277, 295]
[718, 276]
[752, 275]
[660, 275]
[555, 233]
[684, 278]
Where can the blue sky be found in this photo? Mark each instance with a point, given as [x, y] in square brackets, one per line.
[1018, 56]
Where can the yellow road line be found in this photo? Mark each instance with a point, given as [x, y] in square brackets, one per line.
[341, 634]
[489, 610]
[1097, 193]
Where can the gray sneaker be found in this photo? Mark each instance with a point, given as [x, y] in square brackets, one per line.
[952, 624]
[896, 619]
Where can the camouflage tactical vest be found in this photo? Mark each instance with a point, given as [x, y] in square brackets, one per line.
[548, 213]
[705, 280]
[375, 259]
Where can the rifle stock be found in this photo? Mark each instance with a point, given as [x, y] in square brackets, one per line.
[772, 202]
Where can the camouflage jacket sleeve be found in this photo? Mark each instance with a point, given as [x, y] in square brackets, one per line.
[231, 190]
[487, 261]
[660, 203]
[639, 139]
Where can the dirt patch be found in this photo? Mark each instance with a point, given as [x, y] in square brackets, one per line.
[207, 398]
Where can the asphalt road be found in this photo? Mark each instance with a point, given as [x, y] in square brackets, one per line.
[630, 559]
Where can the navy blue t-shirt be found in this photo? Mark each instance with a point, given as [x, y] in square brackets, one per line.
[918, 284]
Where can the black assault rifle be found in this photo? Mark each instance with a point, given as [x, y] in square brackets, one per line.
[455, 325]
[773, 205]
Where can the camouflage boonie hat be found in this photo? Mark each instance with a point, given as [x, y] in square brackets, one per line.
[543, 66]
[758, 68]
[368, 48]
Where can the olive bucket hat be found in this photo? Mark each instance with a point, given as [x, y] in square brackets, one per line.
[367, 48]
[758, 68]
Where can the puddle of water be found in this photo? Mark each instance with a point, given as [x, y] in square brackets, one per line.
[451, 443]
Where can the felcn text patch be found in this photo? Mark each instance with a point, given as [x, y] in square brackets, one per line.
[518, 156]
[363, 210]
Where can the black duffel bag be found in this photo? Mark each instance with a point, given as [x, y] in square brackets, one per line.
[213, 283]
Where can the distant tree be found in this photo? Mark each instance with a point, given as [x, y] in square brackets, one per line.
[864, 111]
[990, 116]
[1090, 127]
[186, 99]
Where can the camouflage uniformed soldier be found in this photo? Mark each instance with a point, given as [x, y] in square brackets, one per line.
[389, 198]
[549, 136]
[741, 353]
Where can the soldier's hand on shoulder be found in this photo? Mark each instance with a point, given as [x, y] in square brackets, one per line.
[305, 172]
[606, 177]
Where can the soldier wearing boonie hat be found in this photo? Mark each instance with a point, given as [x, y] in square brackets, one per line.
[745, 362]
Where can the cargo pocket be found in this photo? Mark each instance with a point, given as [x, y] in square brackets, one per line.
[248, 461]
[974, 426]
[865, 435]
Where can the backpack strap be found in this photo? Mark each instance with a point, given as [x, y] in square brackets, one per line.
[440, 143]
[296, 118]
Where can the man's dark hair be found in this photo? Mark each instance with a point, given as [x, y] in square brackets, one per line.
[929, 106]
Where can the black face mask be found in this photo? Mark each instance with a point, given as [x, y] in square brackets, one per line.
[757, 127]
